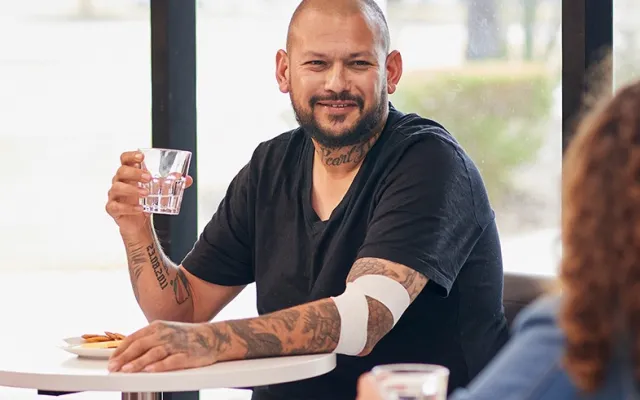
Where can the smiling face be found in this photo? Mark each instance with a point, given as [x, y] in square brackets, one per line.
[336, 76]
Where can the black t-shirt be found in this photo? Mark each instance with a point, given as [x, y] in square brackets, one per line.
[417, 200]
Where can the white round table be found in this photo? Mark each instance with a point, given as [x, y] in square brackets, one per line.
[47, 367]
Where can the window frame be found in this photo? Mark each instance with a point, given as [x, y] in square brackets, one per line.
[173, 111]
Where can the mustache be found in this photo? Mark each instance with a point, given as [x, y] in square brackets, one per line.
[343, 96]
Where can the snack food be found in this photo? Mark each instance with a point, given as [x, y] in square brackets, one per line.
[102, 345]
[107, 341]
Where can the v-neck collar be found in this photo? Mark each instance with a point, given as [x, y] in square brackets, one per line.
[310, 215]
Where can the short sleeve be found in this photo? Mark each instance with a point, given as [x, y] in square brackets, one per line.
[222, 253]
[425, 218]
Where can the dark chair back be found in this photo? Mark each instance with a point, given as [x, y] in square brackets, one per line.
[521, 290]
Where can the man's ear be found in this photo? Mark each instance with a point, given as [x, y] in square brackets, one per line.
[394, 70]
[282, 70]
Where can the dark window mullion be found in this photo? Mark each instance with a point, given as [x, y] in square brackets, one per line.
[587, 36]
[173, 80]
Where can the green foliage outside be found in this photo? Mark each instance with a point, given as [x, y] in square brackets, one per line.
[498, 112]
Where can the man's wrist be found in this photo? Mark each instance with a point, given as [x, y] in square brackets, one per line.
[142, 233]
[219, 339]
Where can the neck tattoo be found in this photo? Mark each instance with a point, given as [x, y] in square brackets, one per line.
[334, 157]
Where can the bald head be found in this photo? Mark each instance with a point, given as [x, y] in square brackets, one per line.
[338, 70]
[367, 9]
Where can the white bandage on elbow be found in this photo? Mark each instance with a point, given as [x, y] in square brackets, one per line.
[354, 310]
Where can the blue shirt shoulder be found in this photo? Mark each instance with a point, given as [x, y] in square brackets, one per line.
[529, 367]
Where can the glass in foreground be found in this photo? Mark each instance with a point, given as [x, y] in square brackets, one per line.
[412, 381]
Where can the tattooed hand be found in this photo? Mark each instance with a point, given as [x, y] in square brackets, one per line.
[168, 346]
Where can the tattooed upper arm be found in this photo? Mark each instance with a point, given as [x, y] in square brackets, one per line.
[411, 279]
[380, 319]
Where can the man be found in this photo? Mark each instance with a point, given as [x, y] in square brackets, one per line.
[368, 232]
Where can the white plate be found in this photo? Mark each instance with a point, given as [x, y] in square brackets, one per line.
[72, 345]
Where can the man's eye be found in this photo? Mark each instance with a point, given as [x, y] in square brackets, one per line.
[316, 62]
[361, 63]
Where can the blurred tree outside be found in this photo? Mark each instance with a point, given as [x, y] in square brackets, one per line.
[499, 99]
[528, 24]
[497, 111]
[486, 38]
[485, 34]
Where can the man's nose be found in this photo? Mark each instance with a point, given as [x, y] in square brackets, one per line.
[337, 81]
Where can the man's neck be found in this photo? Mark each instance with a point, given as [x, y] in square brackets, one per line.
[341, 161]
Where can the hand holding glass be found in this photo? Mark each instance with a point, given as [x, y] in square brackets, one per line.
[168, 169]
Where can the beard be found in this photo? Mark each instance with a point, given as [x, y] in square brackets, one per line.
[360, 132]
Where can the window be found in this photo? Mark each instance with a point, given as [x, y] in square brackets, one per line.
[494, 83]
[626, 42]
[75, 93]
[230, 88]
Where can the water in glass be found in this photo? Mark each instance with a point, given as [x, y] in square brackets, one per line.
[165, 195]
[168, 169]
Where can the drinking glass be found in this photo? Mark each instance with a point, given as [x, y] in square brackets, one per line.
[168, 169]
[412, 381]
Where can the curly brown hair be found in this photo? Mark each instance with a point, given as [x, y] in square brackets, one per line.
[600, 267]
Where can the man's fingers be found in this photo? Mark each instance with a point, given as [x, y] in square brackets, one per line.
[131, 174]
[189, 182]
[116, 209]
[131, 351]
[121, 190]
[129, 339]
[153, 355]
[131, 158]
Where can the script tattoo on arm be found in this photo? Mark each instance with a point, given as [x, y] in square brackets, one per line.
[159, 268]
[380, 318]
[141, 255]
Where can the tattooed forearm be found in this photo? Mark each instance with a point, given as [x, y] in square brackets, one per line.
[160, 287]
[411, 279]
[194, 342]
[307, 329]
[136, 259]
[323, 323]
[259, 342]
